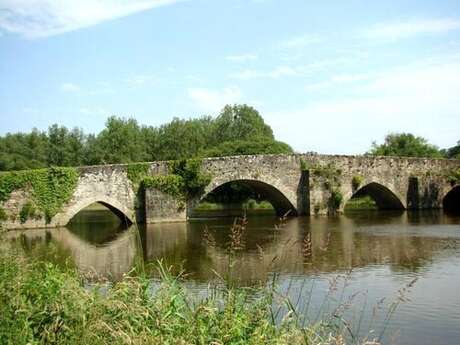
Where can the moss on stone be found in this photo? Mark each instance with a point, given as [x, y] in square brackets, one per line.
[170, 184]
[3, 215]
[454, 176]
[356, 181]
[136, 172]
[185, 179]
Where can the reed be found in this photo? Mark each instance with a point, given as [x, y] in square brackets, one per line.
[42, 302]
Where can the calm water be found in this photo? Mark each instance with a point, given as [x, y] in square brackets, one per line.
[360, 262]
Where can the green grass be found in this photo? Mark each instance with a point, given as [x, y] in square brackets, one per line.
[362, 203]
[47, 303]
[248, 205]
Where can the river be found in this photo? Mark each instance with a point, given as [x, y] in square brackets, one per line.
[358, 265]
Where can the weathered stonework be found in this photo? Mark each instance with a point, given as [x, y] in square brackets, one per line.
[411, 183]
[161, 207]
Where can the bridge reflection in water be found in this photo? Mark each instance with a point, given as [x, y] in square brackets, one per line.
[364, 258]
[306, 245]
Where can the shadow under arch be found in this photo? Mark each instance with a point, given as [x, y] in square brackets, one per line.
[384, 198]
[451, 201]
[268, 192]
[113, 206]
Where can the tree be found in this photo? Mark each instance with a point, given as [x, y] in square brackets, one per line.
[120, 141]
[452, 152]
[182, 139]
[23, 151]
[247, 147]
[237, 130]
[66, 148]
[405, 145]
[240, 122]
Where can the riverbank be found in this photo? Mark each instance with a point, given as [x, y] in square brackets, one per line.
[50, 303]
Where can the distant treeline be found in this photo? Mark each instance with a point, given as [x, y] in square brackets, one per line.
[237, 130]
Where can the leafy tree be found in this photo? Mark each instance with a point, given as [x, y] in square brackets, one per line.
[248, 147]
[119, 142]
[181, 139]
[452, 152]
[405, 145]
[23, 151]
[237, 130]
[66, 148]
[240, 122]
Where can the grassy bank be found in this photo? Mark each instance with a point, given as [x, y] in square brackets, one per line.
[44, 303]
[362, 203]
[251, 204]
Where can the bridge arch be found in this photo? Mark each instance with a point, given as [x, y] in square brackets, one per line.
[451, 201]
[383, 196]
[66, 215]
[280, 198]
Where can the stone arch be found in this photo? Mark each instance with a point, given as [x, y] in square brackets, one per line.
[383, 196]
[280, 197]
[451, 200]
[64, 217]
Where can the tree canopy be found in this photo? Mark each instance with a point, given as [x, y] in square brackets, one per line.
[452, 152]
[405, 145]
[237, 130]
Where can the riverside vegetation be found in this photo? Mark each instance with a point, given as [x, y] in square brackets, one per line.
[48, 302]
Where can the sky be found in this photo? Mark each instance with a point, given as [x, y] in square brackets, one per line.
[327, 76]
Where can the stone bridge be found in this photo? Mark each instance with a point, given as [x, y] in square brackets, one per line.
[298, 184]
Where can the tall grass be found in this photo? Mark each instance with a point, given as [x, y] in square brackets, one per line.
[43, 303]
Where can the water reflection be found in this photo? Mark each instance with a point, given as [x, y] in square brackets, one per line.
[377, 252]
[402, 241]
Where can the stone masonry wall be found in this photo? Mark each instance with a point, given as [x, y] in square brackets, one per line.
[161, 207]
[416, 182]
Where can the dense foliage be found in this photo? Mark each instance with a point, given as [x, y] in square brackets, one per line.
[237, 130]
[453, 152]
[49, 189]
[185, 179]
[405, 145]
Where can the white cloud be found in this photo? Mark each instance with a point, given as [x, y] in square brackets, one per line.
[242, 57]
[301, 41]
[419, 98]
[214, 100]
[406, 29]
[41, 18]
[70, 87]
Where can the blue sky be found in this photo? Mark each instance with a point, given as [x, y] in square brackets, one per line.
[328, 76]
